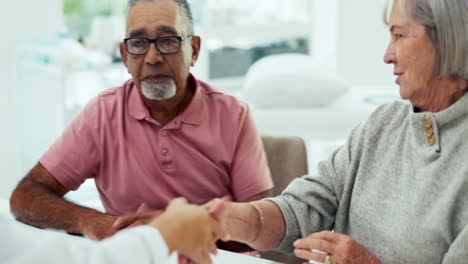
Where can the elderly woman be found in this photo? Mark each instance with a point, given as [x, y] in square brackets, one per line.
[397, 191]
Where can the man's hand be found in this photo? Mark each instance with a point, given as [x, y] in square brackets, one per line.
[99, 228]
[339, 247]
[143, 216]
[189, 230]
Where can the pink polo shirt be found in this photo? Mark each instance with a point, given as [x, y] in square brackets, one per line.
[211, 150]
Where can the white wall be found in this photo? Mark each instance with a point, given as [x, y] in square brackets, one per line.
[324, 45]
[20, 22]
[362, 40]
[350, 37]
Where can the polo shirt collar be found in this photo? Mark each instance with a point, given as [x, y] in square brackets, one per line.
[136, 107]
[192, 115]
[195, 112]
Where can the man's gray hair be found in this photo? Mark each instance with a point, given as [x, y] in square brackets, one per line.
[183, 4]
[446, 23]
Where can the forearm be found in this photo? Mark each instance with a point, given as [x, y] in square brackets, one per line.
[241, 247]
[246, 220]
[39, 206]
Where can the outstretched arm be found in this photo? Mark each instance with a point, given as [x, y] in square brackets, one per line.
[261, 229]
[185, 228]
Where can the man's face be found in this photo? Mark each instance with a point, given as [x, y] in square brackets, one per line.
[157, 19]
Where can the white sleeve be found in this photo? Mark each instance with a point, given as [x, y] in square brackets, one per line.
[20, 244]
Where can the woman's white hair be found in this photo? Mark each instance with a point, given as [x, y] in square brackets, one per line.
[446, 23]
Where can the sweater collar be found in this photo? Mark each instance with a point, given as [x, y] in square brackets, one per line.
[427, 126]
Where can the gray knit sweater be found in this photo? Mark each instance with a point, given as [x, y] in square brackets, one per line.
[399, 187]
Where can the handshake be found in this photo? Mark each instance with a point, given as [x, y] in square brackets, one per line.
[190, 230]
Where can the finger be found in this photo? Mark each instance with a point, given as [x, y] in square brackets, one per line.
[183, 260]
[155, 213]
[215, 227]
[148, 215]
[211, 245]
[136, 223]
[186, 260]
[208, 246]
[217, 208]
[180, 200]
[124, 221]
[143, 208]
[254, 254]
[327, 235]
[226, 237]
[207, 205]
[213, 249]
[203, 257]
[312, 243]
[176, 203]
[309, 255]
[227, 198]
[217, 231]
[196, 258]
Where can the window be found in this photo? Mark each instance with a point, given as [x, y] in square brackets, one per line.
[79, 14]
[238, 33]
[235, 33]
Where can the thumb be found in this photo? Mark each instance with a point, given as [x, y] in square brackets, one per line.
[180, 200]
[124, 221]
[143, 207]
[217, 209]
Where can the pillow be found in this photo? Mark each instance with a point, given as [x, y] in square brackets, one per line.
[291, 80]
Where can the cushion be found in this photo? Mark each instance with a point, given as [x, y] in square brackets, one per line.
[291, 80]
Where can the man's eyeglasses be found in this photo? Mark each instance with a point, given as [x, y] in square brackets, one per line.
[165, 45]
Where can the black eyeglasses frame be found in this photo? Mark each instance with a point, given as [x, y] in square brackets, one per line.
[154, 41]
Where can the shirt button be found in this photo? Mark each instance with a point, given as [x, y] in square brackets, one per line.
[164, 132]
[429, 132]
[431, 140]
[427, 122]
[164, 152]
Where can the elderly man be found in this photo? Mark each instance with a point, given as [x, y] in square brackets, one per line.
[161, 135]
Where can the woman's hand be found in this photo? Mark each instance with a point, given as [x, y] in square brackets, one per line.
[189, 230]
[340, 249]
[230, 218]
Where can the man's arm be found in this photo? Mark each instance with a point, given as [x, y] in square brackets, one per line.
[38, 201]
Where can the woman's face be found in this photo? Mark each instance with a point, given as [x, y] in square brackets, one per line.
[412, 54]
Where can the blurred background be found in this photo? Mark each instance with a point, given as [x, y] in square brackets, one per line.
[326, 56]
